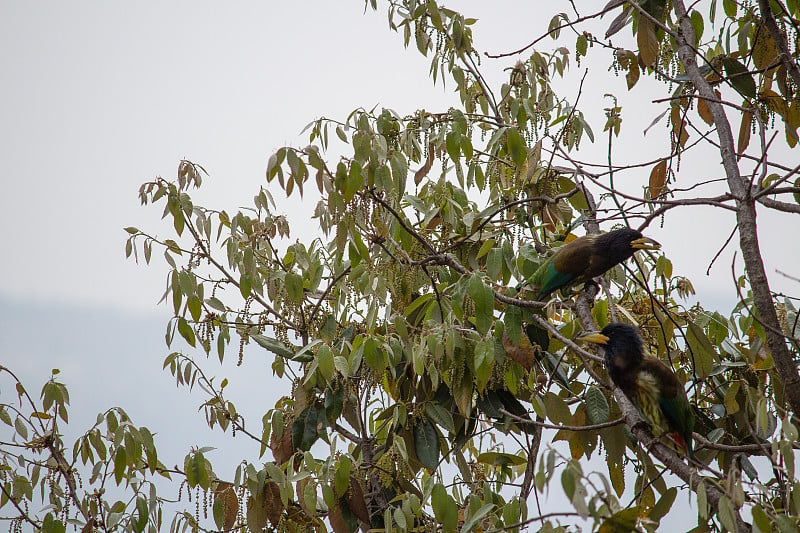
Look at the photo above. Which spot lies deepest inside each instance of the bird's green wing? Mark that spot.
(565, 268)
(673, 402)
(679, 415)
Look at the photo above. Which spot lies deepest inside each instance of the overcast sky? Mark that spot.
(98, 97)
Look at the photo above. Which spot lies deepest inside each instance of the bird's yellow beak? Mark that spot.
(645, 243)
(595, 337)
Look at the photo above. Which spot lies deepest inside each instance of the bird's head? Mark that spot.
(625, 241)
(622, 345)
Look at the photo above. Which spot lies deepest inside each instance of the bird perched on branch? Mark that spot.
(587, 257)
(647, 382)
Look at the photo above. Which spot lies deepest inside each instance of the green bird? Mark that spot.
(587, 257)
(647, 382)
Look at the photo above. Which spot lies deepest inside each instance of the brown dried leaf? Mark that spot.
(266, 505)
(272, 502)
(230, 503)
(576, 444)
(705, 112)
(744, 131)
(337, 520)
(356, 502)
(282, 448)
(423, 171)
(524, 355)
(549, 218)
(679, 126)
(658, 178)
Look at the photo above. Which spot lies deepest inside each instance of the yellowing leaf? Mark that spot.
(633, 75)
(487, 245)
(765, 53)
(647, 41)
(774, 101)
(658, 178)
(744, 131)
(704, 112)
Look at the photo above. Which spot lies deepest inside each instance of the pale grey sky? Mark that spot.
(98, 97)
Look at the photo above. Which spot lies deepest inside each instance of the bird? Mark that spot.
(647, 382)
(587, 257)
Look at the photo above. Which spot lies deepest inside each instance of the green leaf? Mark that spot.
(487, 245)
(537, 335)
(663, 505)
(739, 77)
(557, 410)
(726, 513)
(121, 463)
(305, 429)
(473, 520)
(501, 459)
(334, 401)
(273, 345)
(186, 331)
(494, 263)
(797, 194)
(513, 323)
(730, 7)
(761, 519)
(4, 416)
(294, 287)
(483, 297)
(581, 44)
(325, 362)
(444, 508)
(341, 479)
(484, 360)
(701, 352)
(440, 415)
(51, 525)
(516, 146)
(353, 182)
(622, 521)
(426, 444)
(453, 145)
(596, 405)
(195, 307)
(698, 25)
